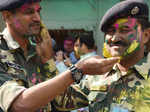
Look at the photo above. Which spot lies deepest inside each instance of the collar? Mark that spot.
(12, 44)
(88, 55)
(118, 74)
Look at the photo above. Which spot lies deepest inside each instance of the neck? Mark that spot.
(22, 41)
(122, 67)
(131, 60)
(89, 51)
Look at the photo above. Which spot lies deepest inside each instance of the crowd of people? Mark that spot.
(35, 76)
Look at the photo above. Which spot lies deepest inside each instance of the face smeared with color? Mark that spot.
(26, 19)
(123, 37)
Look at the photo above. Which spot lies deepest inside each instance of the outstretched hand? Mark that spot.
(97, 65)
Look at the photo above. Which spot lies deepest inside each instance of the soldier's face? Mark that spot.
(122, 35)
(26, 19)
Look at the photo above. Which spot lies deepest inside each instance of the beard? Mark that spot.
(34, 29)
(32, 33)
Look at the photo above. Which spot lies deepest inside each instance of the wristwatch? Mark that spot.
(76, 73)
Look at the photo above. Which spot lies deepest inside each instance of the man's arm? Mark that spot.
(39, 95)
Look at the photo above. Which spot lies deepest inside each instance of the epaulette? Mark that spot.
(3, 43)
(1, 36)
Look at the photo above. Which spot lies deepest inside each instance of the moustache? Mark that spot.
(119, 43)
(35, 24)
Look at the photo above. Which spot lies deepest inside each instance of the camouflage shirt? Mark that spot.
(18, 72)
(117, 92)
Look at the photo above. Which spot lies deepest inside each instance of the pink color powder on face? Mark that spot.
(116, 26)
(16, 23)
(37, 7)
(132, 22)
(24, 7)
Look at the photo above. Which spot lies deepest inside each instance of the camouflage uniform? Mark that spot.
(117, 92)
(18, 72)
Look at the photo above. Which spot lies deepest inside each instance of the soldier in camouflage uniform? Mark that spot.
(26, 64)
(123, 89)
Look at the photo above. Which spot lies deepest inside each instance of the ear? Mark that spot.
(146, 39)
(146, 36)
(6, 15)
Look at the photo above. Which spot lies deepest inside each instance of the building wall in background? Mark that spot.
(69, 14)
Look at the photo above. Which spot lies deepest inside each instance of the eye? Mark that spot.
(125, 30)
(29, 11)
(39, 10)
(111, 31)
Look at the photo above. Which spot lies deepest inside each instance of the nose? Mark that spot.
(116, 36)
(36, 17)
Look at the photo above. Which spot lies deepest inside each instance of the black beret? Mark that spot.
(13, 4)
(127, 8)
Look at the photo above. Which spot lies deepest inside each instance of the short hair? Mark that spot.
(145, 24)
(69, 39)
(87, 39)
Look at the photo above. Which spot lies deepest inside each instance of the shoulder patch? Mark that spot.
(3, 43)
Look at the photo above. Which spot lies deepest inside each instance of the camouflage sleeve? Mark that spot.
(49, 69)
(141, 100)
(8, 93)
(12, 83)
(72, 98)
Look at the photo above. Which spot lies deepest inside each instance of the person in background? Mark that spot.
(69, 45)
(86, 45)
(75, 55)
(85, 48)
(63, 62)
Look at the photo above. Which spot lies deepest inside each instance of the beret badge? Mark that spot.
(135, 10)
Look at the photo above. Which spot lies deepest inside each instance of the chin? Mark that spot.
(36, 32)
(116, 55)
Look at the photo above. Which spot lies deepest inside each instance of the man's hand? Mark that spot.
(97, 65)
(67, 61)
(44, 45)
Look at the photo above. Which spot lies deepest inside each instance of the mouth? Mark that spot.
(119, 44)
(35, 25)
(34, 29)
